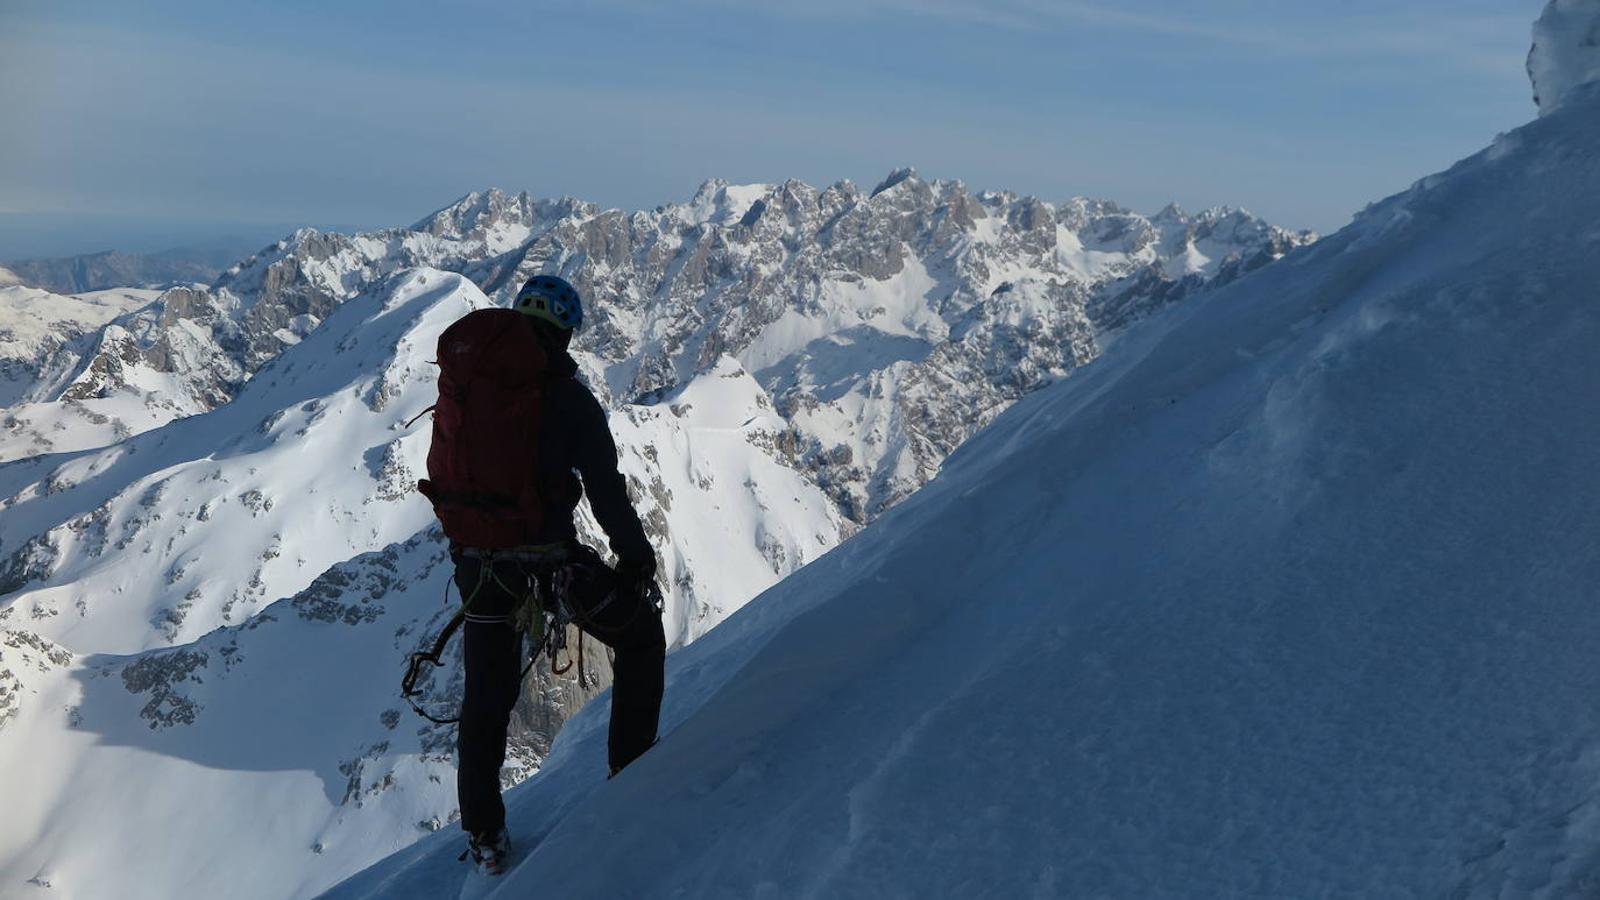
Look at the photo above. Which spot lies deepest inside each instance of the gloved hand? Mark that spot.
(637, 578)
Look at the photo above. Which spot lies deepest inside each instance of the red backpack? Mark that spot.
(482, 463)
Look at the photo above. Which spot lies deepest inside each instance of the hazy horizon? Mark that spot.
(27, 236)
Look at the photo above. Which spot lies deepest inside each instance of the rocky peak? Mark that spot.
(1171, 214)
(1235, 225)
(895, 179)
(1078, 213)
(467, 214)
(719, 203)
(498, 220)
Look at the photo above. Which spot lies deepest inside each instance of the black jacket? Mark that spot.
(575, 442)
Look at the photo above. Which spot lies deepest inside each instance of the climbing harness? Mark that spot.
(546, 609)
(527, 617)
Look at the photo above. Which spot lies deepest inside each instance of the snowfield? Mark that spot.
(1294, 592)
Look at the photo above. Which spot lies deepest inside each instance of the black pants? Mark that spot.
(493, 653)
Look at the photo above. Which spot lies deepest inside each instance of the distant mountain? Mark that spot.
(44, 340)
(110, 269)
(44, 337)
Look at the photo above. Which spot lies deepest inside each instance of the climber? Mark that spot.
(517, 441)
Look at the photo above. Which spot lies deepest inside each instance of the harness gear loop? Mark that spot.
(408, 684)
(528, 616)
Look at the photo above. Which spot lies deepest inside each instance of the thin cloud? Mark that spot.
(1491, 45)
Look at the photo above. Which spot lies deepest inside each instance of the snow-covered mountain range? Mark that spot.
(211, 564)
(887, 326)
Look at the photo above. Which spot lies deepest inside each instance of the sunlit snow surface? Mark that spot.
(1295, 592)
(39, 326)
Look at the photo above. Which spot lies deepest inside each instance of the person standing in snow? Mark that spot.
(481, 484)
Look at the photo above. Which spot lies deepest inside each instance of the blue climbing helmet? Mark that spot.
(551, 299)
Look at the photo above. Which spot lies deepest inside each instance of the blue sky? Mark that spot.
(151, 124)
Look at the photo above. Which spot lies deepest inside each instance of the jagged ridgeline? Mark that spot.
(210, 558)
(886, 326)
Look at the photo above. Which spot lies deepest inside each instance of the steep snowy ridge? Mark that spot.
(1290, 593)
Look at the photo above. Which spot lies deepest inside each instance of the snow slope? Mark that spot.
(1294, 592)
(226, 768)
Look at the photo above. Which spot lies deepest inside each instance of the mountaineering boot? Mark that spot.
(618, 767)
(490, 851)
